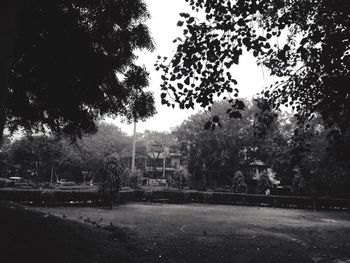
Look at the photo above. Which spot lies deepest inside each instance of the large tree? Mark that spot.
(223, 151)
(42, 153)
(36, 155)
(72, 62)
(323, 168)
(91, 151)
(305, 43)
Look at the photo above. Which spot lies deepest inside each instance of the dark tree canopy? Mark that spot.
(305, 43)
(234, 146)
(74, 61)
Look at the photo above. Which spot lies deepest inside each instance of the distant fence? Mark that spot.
(66, 197)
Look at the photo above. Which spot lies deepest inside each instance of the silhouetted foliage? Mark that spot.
(74, 61)
(303, 42)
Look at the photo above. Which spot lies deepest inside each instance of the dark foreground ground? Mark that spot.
(173, 233)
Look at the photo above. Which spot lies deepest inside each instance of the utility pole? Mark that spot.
(164, 165)
(133, 148)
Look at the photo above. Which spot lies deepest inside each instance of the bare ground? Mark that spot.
(217, 233)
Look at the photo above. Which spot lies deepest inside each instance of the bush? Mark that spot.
(109, 189)
(124, 178)
(135, 179)
(6, 183)
(238, 184)
(299, 184)
(199, 182)
(264, 183)
(179, 179)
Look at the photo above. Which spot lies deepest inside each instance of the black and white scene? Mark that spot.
(175, 131)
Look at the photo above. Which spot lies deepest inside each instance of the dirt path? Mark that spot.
(215, 233)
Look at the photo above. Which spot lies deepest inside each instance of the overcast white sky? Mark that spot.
(164, 16)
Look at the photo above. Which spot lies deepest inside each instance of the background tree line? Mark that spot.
(301, 157)
(35, 156)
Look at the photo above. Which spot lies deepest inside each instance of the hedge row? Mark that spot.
(60, 197)
(246, 199)
(38, 196)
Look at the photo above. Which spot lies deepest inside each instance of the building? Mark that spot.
(160, 167)
(253, 171)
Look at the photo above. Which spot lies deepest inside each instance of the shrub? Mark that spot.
(125, 176)
(199, 182)
(264, 183)
(238, 183)
(6, 183)
(298, 184)
(110, 187)
(135, 179)
(179, 179)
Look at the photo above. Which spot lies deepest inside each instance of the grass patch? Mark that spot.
(27, 236)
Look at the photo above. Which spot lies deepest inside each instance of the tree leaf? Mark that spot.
(207, 125)
(180, 23)
(235, 115)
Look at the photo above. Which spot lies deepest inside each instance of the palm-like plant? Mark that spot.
(110, 187)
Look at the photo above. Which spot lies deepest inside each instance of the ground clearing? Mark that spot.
(27, 236)
(216, 233)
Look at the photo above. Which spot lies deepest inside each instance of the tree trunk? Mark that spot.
(164, 167)
(51, 179)
(8, 15)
